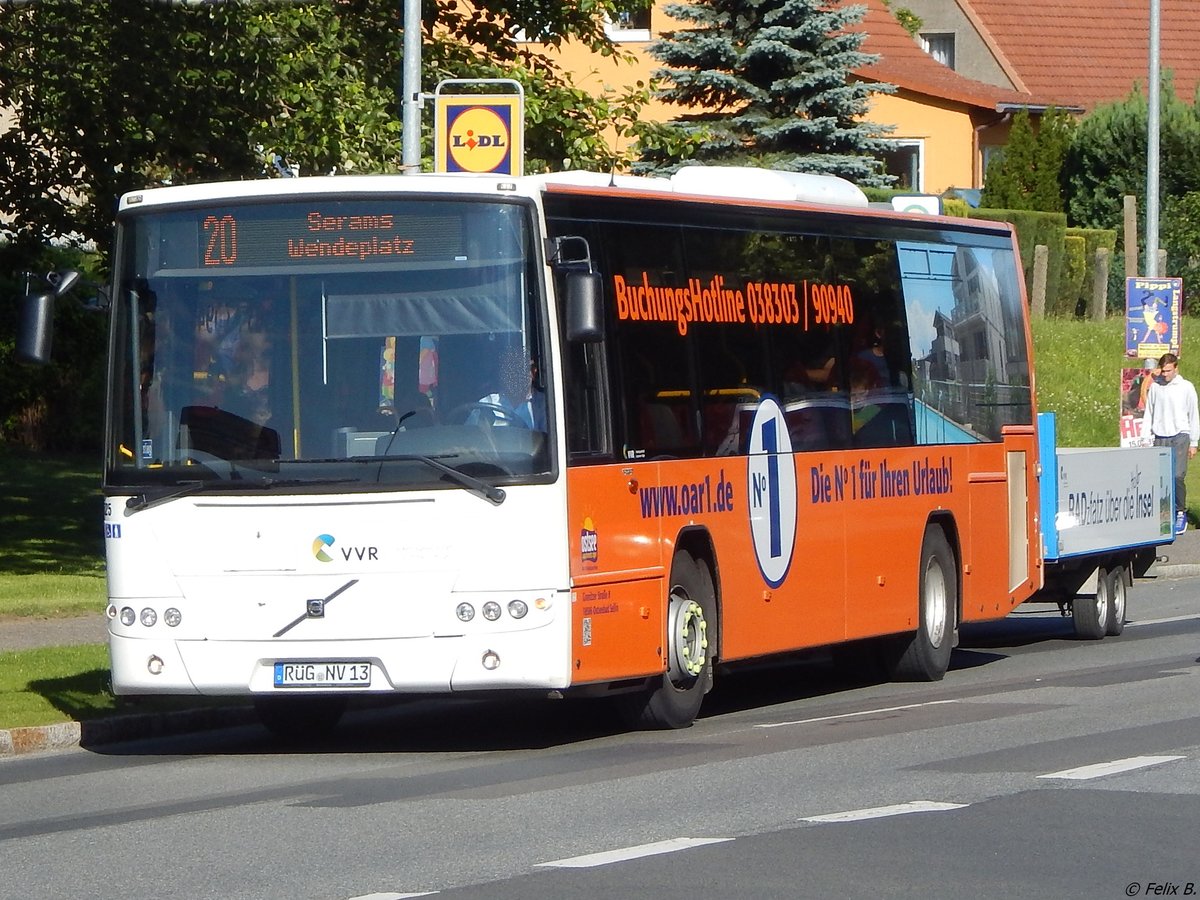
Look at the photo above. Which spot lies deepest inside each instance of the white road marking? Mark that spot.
(1161, 621)
(865, 712)
(613, 856)
(1099, 770)
(391, 896)
(882, 812)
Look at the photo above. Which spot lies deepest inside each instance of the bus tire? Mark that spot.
(1089, 614)
(295, 717)
(925, 654)
(672, 700)
(1117, 595)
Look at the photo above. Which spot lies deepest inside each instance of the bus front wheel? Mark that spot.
(925, 655)
(673, 699)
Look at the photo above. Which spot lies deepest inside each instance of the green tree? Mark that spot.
(772, 82)
(115, 95)
(1107, 157)
(112, 96)
(1027, 174)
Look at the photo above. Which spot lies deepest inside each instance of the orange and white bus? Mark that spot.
(570, 434)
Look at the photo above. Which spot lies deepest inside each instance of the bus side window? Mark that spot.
(662, 417)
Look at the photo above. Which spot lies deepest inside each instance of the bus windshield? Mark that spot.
(392, 341)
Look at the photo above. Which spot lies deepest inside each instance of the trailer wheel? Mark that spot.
(925, 655)
(673, 699)
(1090, 614)
(1117, 593)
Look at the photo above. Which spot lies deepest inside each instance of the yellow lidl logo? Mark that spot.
(479, 140)
(479, 134)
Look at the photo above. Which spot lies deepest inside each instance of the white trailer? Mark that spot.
(1104, 513)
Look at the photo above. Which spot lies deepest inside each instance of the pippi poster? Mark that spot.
(1153, 314)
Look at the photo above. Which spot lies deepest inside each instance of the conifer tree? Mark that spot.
(1027, 174)
(771, 83)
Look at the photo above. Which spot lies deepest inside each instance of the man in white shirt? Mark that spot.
(1172, 417)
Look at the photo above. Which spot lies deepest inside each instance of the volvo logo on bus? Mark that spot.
(771, 488)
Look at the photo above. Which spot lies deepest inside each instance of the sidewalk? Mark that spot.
(1181, 559)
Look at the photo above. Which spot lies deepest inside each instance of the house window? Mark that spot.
(906, 160)
(940, 47)
(990, 154)
(629, 25)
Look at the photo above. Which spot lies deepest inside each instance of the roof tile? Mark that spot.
(1087, 52)
(904, 64)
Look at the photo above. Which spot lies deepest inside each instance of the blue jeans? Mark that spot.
(1179, 444)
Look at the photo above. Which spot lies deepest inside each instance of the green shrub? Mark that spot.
(952, 206)
(1094, 239)
(1074, 272)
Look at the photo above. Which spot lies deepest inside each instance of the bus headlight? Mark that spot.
(465, 612)
(128, 616)
(517, 608)
(491, 610)
(149, 617)
(172, 617)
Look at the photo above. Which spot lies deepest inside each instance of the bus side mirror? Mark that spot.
(585, 310)
(35, 331)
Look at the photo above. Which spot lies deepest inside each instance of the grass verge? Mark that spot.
(54, 684)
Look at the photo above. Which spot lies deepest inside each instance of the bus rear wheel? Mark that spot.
(925, 654)
(673, 699)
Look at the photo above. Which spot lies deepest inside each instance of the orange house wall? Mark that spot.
(946, 128)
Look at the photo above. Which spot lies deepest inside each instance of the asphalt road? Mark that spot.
(1041, 766)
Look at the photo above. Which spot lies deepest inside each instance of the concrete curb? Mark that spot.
(67, 735)
(1178, 570)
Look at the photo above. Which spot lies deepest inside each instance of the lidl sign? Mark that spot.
(479, 133)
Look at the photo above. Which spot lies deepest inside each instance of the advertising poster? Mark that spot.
(1135, 385)
(1153, 313)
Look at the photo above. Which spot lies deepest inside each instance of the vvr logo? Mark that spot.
(322, 545)
(319, 545)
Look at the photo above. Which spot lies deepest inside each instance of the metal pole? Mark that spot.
(1153, 88)
(411, 88)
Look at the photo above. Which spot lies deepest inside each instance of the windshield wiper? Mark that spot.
(480, 488)
(146, 501)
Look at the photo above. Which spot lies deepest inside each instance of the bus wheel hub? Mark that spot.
(689, 640)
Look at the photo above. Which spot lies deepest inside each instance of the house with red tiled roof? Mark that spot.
(944, 124)
(1072, 52)
(956, 121)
